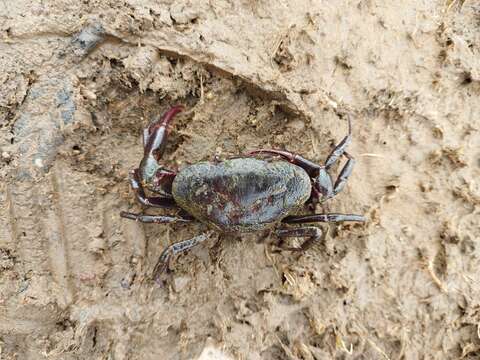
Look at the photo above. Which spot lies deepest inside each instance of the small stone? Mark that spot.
(96, 231)
(297, 125)
(38, 163)
(180, 282)
(97, 245)
(212, 353)
(88, 94)
(183, 14)
(6, 156)
(87, 39)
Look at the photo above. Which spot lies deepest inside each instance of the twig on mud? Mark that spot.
(469, 279)
(201, 88)
(341, 344)
(278, 42)
(275, 47)
(401, 354)
(314, 144)
(285, 348)
(371, 155)
(435, 278)
(304, 351)
(272, 262)
(450, 4)
(468, 349)
(375, 346)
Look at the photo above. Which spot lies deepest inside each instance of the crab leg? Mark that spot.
(313, 233)
(156, 219)
(324, 181)
(344, 174)
(332, 217)
(174, 249)
(339, 149)
(310, 167)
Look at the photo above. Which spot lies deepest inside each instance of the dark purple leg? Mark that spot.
(339, 149)
(313, 233)
(310, 167)
(324, 184)
(157, 219)
(344, 174)
(323, 181)
(300, 219)
(174, 249)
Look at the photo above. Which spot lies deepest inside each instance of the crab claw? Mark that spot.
(155, 140)
(165, 119)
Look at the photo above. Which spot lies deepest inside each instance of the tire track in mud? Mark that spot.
(8, 224)
(22, 237)
(135, 236)
(136, 242)
(23, 201)
(77, 222)
(122, 250)
(54, 230)
(50, 255)
(19, 326)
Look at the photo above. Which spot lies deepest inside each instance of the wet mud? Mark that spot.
(79, 82)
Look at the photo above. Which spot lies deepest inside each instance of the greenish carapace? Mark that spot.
(243, 194)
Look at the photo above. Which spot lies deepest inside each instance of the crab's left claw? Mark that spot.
(155, 141)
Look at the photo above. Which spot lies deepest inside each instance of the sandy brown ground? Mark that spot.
(80, 79)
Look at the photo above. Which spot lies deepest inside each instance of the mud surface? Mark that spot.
(80, 79)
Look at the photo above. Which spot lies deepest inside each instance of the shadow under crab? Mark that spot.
(248, 193)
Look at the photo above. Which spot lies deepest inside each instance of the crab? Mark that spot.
(253, 192)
